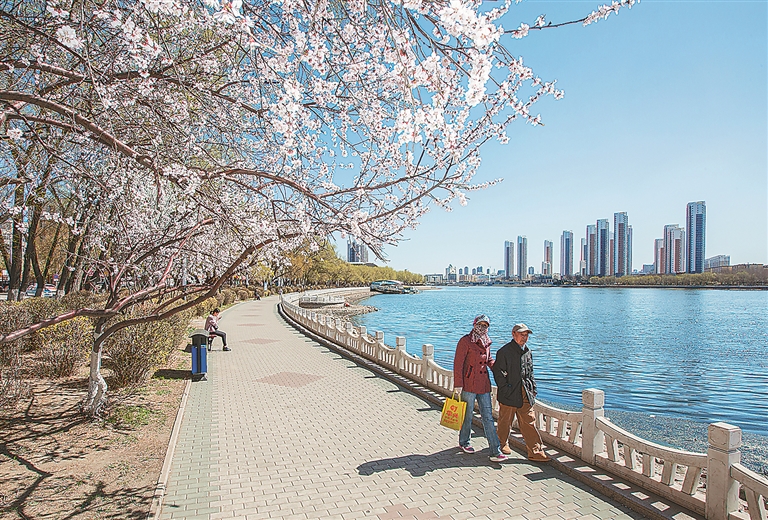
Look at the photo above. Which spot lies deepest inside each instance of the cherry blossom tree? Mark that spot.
(200, 137)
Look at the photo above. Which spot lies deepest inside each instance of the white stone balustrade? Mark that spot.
(587, 434)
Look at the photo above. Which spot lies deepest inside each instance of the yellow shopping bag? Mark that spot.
(453, 412)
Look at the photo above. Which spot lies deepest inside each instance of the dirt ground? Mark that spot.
(57, 464)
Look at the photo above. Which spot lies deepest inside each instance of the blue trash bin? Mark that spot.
(199, 352)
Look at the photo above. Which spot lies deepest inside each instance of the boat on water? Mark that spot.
(391, 287)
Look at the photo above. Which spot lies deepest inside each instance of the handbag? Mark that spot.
(453, 412)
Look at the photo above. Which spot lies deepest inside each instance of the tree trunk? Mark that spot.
(14, 284)
(96, 398)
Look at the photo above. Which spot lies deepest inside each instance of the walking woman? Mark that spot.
(470, 378)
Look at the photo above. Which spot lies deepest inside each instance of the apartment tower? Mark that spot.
(696, 226)
(522, 257)
(603, 249)
(509, 258)
(546, 265)
(566, 254)
(622, 245)
(674, 249)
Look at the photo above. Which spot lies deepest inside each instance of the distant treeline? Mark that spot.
(325, 268)
(752, 277)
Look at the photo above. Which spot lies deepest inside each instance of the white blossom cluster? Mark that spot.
(196, 130)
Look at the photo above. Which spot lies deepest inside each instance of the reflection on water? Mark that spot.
(695, 354)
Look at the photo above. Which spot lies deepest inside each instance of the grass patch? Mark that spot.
(130, 417)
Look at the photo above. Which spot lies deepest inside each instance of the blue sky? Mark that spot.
(664, 104)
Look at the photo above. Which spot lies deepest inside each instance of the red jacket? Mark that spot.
(470, 366)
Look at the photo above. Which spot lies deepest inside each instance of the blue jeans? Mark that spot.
(486, 413)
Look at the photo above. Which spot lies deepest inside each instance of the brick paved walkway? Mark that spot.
(286, 428)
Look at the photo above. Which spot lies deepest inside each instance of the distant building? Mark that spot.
(583, 257)
(674, 249)
(696, 225)
(357, 252)
(433, 278)
(566, 254)
(530, 272)
(450, 274)
(622, 244)
(716, 262)
(648, 269)
(509, 258)
(659, 258)
(603, 250)
(591, 257)
(546, 265)
(522, 257)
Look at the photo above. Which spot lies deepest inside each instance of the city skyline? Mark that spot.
(645, 127)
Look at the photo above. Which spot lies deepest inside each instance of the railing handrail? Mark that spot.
(688, 458)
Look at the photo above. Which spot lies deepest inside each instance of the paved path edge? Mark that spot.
(650, 505)
(157, 500)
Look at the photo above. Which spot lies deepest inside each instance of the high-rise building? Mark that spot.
(566, 254)
(546, 265)
(509, 258)
(583, 257)
(603, 247)
(591, 250)
(659, 258)
(610, 257)
(674, 249)
(622, 245)
(696, 225)
(522, 257)
(357, 252)
(717, 262)
(450, 274)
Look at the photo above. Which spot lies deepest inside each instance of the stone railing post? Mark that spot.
(400, 349)
(348, 338)
(723, 451)
(428, 353)
(592, 439)
(363, 331)
(379, 344)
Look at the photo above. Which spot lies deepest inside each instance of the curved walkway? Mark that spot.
(286, 428)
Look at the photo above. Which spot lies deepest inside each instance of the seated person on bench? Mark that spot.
(212, 326)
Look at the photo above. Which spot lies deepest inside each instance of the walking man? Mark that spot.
(513, 372)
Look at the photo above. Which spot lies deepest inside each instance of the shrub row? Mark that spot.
(59, 350)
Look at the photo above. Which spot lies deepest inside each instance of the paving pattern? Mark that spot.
(283, 427)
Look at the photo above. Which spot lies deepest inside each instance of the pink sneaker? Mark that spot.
(467, 449)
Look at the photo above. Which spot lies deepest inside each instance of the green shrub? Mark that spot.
(12, 385)
(206, 307)
(229, 297)
(38, 310)
(80, 300)
(64, 347)
(134, 352)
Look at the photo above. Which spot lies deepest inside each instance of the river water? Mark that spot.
(700, 356)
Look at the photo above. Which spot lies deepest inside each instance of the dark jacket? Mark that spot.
(470, 366)
(512, 370)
